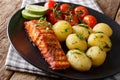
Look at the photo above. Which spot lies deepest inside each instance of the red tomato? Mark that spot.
(48, 11)
(81, 11)
(72, 19)
(53, 17)
(72, 12)
(64, 8)
(90, 20)
(50, 4)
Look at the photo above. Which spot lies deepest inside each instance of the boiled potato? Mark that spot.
(76, 41)
(101, 40)
(78, 60)
(62, 29)
(96, 55)
(103, 27)
(82, 29)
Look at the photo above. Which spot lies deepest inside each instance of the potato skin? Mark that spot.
(62, 29)
(82, 29)
(74, 42)
(78, 60)
(101, 40)
(96, 55)
(103, 27)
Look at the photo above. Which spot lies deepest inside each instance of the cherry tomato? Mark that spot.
(64, 8)
(72, 19)
(53, 17)
(50, 4)
(71, 12)
(48, 11)
(81, 12)
(90, 20)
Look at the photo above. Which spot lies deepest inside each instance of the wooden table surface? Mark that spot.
(111, 8)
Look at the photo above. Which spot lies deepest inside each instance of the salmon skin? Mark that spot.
(48, 44)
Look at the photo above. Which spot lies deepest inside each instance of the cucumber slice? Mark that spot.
(29, 16)
(36, 9)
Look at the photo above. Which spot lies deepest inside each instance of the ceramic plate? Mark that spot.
(22, 44)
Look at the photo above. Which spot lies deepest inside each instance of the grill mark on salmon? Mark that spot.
(48, 44)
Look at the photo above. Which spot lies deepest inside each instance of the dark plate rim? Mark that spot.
(52, 72)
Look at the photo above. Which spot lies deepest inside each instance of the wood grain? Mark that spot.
(26, 76)
(5, 74)
(7, 8)
(109, 7)
(117, 19)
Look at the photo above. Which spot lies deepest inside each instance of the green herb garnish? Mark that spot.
(80, 36)
(83, 25)
(106, 45)
(66, 30)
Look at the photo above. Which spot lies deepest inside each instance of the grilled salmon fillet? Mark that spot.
(48, 44)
